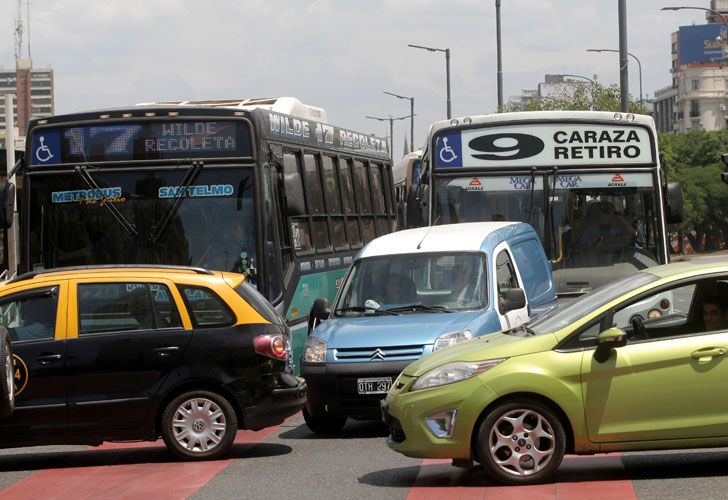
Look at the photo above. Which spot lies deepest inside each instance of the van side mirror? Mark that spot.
(609, 339)
(7, 204)
(515, 298)
(675, 213)
(320, 311)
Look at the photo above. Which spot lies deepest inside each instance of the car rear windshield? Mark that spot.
(258, 302)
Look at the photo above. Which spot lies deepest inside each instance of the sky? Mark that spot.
(336, 54)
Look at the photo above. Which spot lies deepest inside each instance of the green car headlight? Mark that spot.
(314, 351)
(454, 372)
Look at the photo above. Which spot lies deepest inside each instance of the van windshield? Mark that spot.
(427, 282)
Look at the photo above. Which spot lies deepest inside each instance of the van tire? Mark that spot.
(7, 379)
(324, 426)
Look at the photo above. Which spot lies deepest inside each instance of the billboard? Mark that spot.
(700, 44)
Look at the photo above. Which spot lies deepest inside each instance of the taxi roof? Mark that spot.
(110, 269)
(465, 236)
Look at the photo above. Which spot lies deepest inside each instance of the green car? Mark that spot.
(639, 364)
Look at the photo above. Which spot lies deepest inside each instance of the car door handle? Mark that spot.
(48, 358)
(166, 351)
(708, 353)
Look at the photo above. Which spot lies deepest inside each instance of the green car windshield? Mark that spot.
(589, 302)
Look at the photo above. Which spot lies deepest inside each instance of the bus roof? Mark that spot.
(286, 105)
(547, 116)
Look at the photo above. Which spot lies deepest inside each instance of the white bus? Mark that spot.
(590, 183)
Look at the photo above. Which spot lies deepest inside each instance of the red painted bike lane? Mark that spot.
(167, 479)
(601, 477)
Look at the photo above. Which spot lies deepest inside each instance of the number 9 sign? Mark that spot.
(506, 146)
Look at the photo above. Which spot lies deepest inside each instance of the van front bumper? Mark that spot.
(333, 388)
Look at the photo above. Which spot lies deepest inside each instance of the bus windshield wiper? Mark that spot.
(82, 171)
(420, 307)
(179, 195)
(375, 310)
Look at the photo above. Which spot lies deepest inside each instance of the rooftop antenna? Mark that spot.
(18, 33)
(419, 245)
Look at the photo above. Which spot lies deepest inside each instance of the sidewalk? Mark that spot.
(717, 255)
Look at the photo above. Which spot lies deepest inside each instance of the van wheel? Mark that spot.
(7, 379)
(199, 425)
(521, 442)
(324, 426)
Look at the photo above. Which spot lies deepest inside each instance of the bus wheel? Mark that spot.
(7, 380)
(199, 425)
(324, 426)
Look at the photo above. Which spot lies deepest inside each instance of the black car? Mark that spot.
(137, 353)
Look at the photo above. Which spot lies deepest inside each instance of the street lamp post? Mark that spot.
(391, 131)
(412, 116)
(447, 70)
(639, 65)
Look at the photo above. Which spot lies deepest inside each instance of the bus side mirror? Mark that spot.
(7, 204)
(414, 211)
(675, 213)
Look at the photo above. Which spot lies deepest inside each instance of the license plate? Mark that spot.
(375, 385)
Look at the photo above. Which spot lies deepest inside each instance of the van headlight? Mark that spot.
(454, 372)
(452, 338)
(314, 351)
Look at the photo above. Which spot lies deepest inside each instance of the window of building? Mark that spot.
(696, 84)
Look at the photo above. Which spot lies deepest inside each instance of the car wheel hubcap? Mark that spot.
(199, 425)
(521, 442)
(9, 380)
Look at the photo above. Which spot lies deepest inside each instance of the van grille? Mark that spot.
(389, 353)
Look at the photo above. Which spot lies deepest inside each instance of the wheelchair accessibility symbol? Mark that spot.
(449, 150)
(447, 154)
(43, 152)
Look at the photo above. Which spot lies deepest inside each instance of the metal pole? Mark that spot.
(447, 71)
(10, 156)
(391, 139)
(500, 62)
(639, 68)
(412, 124)
(623, 61)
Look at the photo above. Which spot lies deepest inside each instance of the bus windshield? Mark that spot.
(594, 228)
(588, 182)
(212, 225)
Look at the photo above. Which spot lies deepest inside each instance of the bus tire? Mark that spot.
(7, 380)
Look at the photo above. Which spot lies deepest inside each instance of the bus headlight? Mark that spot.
(314, 351)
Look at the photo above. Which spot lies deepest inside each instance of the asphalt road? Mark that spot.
(289, 462)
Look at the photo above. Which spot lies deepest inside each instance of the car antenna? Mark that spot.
(419, 245)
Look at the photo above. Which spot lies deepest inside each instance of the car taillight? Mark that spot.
(272, 346)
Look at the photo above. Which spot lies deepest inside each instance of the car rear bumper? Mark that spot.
(276, 406)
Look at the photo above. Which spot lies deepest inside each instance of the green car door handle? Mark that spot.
(708, 353)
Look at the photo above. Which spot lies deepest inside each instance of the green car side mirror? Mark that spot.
(609, 339)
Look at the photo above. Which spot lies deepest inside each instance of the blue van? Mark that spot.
(411, 293)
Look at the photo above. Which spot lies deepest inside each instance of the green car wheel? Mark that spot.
(521, 442)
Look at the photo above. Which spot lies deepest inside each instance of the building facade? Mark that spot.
(34, 93)
(698, 96)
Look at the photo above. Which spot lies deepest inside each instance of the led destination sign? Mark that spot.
(140, 141)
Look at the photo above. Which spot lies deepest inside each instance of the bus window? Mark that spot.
(312, 180)
(347, 197)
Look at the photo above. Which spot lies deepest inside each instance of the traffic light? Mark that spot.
(724, 175)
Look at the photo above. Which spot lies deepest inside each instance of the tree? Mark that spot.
(577, 96)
